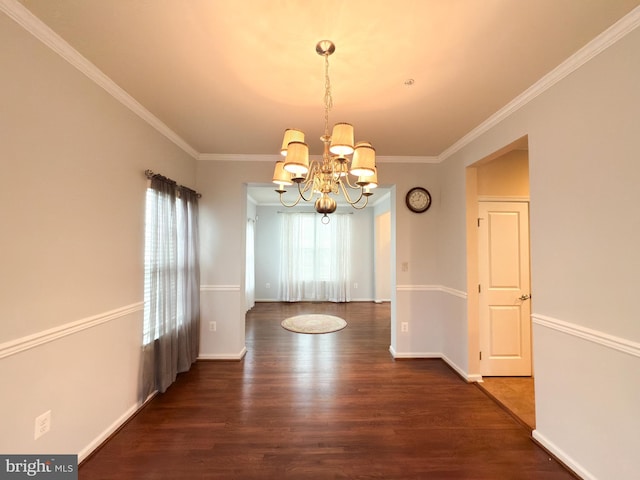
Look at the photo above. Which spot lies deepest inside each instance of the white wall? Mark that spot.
(268, 251)
(382, 249)
(585, 233)
(223, 217)
(72, 209)
(418, 292)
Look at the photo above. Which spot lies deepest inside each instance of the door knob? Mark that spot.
(524, 297)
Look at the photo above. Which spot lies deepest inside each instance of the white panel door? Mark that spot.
(504, 290)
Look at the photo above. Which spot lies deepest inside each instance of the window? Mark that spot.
(171, 283)
(158, 255)
(315, 258)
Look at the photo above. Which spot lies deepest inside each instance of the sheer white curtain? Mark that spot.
(250, 275)
(316, 258)
(172, 284)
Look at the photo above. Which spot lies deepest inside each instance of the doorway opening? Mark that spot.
(372, 262)
(498, 282)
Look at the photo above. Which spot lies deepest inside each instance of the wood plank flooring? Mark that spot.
(332, 406)
(516, 394)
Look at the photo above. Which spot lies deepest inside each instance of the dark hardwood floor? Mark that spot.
(332, 406)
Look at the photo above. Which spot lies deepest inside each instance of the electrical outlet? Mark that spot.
(405, 266)
(267, 285)
(404, 326)
(355, 285)
(43, 424)
(212, 326)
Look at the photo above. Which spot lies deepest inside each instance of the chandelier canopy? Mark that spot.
(329, 175)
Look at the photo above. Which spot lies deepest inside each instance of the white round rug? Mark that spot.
(313, 323)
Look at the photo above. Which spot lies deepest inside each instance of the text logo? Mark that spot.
(49, 467)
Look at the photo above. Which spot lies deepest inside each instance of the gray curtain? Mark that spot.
(189, 287)
(172, 284)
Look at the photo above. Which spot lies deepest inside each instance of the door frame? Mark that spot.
(472, 198)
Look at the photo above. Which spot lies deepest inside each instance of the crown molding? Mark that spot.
(234, 157)
(238, 157)
(21, 15)
(32, 24)
(407, 159)
(600, 43)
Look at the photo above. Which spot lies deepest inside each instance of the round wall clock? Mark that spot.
(418, 200)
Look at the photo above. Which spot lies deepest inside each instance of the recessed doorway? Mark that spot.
(499, 298)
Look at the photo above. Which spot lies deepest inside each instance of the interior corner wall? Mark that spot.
(223, 214)
(72, 208)
(268, 251)
(382, 237)
(584, 258)
(418, 295)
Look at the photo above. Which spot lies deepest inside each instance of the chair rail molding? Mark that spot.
(22, 344)
(432, 288)
(595, 336)
(219, 288)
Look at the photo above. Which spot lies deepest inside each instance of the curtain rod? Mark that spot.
(150, 174)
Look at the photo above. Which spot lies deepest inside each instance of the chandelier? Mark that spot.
(329, 175)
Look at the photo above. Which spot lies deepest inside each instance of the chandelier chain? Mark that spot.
(328, 100)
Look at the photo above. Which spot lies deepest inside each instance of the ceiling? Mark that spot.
(228, 76)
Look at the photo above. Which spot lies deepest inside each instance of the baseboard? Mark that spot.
(561, 456)
(101, 439)
(441, 356)
(224, 356)
(456, 368)
(404, 355)
(275, 300)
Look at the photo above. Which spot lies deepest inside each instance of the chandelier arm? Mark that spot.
(346, 195)
(355, 187)
(289, 205)
(307, 185)
(366, 201)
